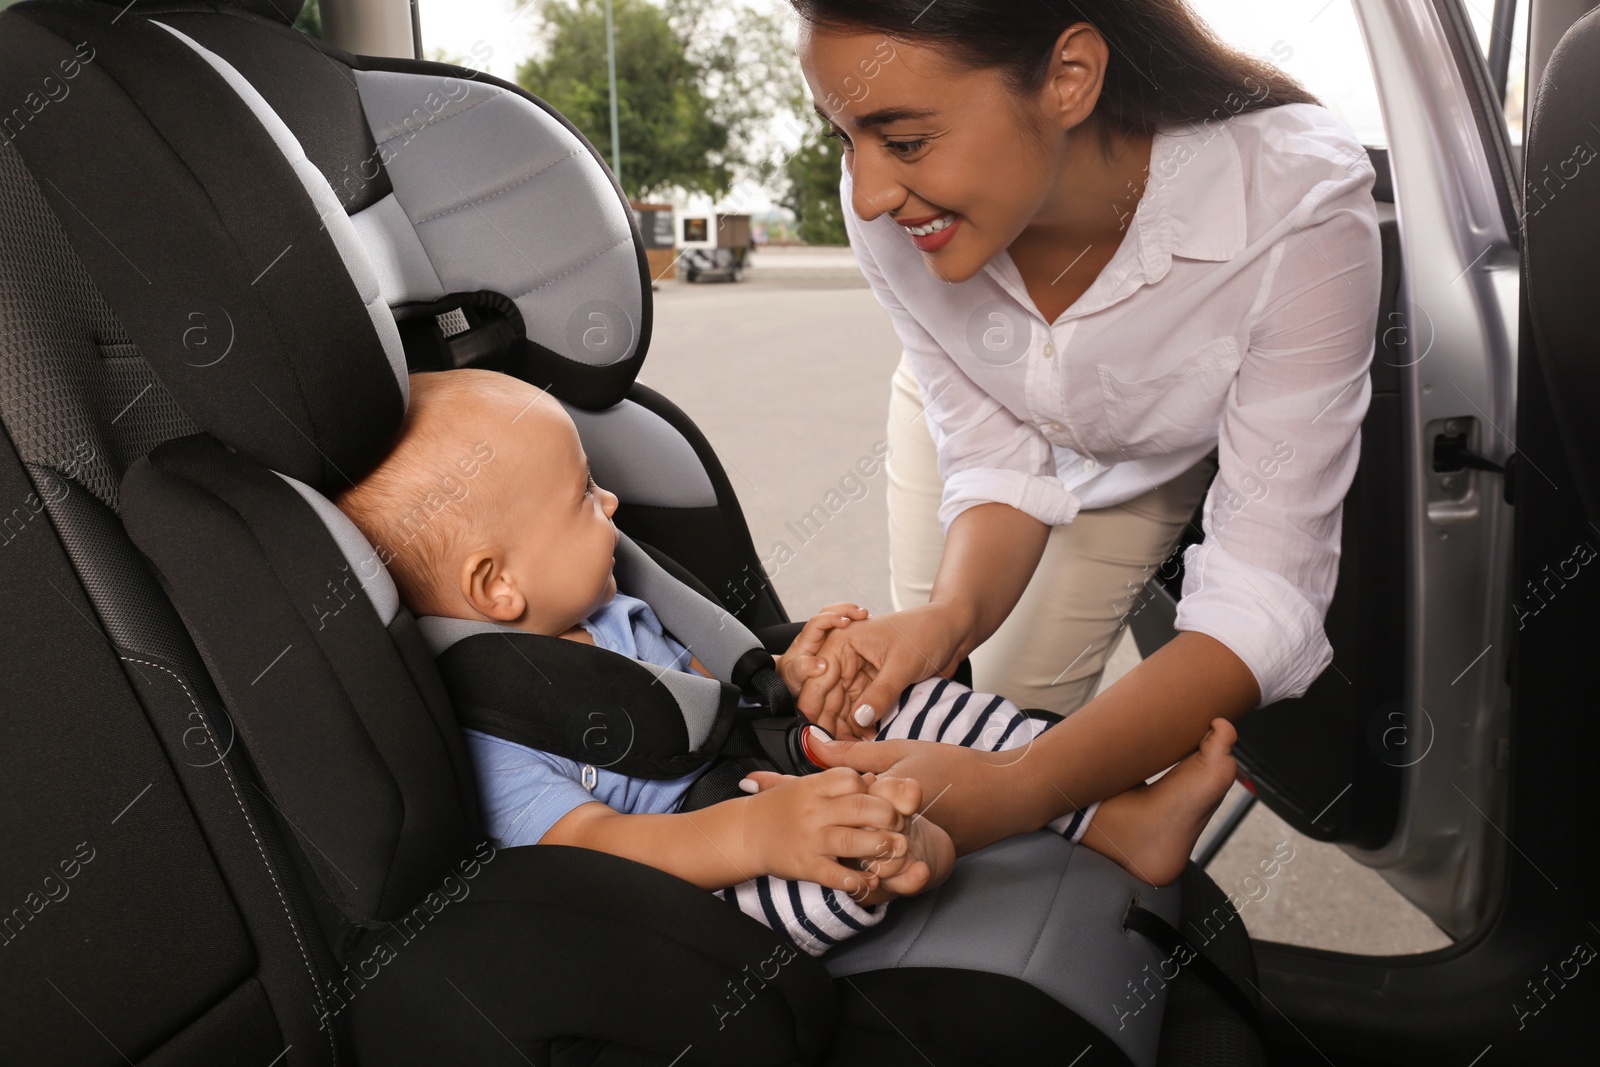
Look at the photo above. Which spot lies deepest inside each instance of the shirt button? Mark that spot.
(1049, 350)
(1057, 427)
(1088, 464)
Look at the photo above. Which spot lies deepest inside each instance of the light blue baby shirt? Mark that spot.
(524, 791)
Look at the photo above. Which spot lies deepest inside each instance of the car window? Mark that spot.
(493, 36)
(1482, 13)
(1317, 42)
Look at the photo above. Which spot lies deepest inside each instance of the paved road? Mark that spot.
(788, 375)
(791, 385)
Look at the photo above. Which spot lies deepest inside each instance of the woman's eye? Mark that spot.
(835, 135)
(904, 148)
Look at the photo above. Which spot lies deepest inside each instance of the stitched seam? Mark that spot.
(265, 862)
(498, 192)
(414, 130)
(1054, 901)
(916, 938)
(569, 270)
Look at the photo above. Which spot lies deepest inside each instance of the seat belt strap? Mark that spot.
(1166, 937)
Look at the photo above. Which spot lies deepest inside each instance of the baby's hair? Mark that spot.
(426, 502)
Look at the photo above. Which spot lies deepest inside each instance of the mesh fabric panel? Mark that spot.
(74, 392)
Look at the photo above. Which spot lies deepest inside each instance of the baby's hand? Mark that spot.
(801, 828)
(804, 664)
(930, 855)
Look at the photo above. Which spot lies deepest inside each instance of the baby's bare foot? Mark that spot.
(930, 855)
(1150, 830)
(933, 856)
(903, 794)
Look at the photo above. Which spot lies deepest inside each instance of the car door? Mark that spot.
(1399, 751)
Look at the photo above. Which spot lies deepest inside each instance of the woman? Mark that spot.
(1113, 249)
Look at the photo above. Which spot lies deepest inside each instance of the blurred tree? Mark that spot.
(310, 20)
(696, 86)
(813, 193)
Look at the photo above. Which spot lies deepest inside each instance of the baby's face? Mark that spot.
(555, 527)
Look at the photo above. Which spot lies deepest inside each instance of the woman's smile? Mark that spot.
(934, 235)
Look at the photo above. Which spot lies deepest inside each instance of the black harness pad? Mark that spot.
(585, 703)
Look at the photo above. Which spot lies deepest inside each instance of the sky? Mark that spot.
(1316, 41)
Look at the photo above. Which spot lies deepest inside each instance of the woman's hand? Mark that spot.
(990, 552)
(875, 660)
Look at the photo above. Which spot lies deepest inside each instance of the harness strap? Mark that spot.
(754, 744)
(754, 674)
(721, 782)
(1166, 937)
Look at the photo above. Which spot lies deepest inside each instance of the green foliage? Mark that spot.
(692, 98)
(813, 194)
(310, 20)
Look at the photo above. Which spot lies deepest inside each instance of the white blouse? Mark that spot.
(1239, 313)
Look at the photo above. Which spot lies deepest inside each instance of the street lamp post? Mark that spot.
(611, 63)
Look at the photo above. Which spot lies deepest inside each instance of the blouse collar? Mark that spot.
(1193, 206)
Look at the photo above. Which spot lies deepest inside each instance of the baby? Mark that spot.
(530, 543)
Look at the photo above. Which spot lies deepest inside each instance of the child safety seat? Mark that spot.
(602, 709)
(264, 233)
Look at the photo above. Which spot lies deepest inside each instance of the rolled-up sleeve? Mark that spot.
(986, 454)
(1289, 443)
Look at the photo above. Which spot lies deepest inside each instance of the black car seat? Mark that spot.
(204, 261)
(1560, 228)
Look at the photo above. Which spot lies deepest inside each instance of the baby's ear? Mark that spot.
(490, 589)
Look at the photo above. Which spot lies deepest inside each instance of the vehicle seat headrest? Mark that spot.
(255, 302)
(264, 304)
(370, 434)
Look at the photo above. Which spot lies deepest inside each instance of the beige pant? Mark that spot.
(1051, 650)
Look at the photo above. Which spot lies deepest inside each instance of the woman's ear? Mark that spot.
(1077, 70)
(490, 588)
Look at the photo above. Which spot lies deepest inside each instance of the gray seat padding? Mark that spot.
(1037, 908)
(447, 228)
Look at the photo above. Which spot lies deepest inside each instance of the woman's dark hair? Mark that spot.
(1166, 66)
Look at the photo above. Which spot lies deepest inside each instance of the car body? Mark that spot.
(1450, 750)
